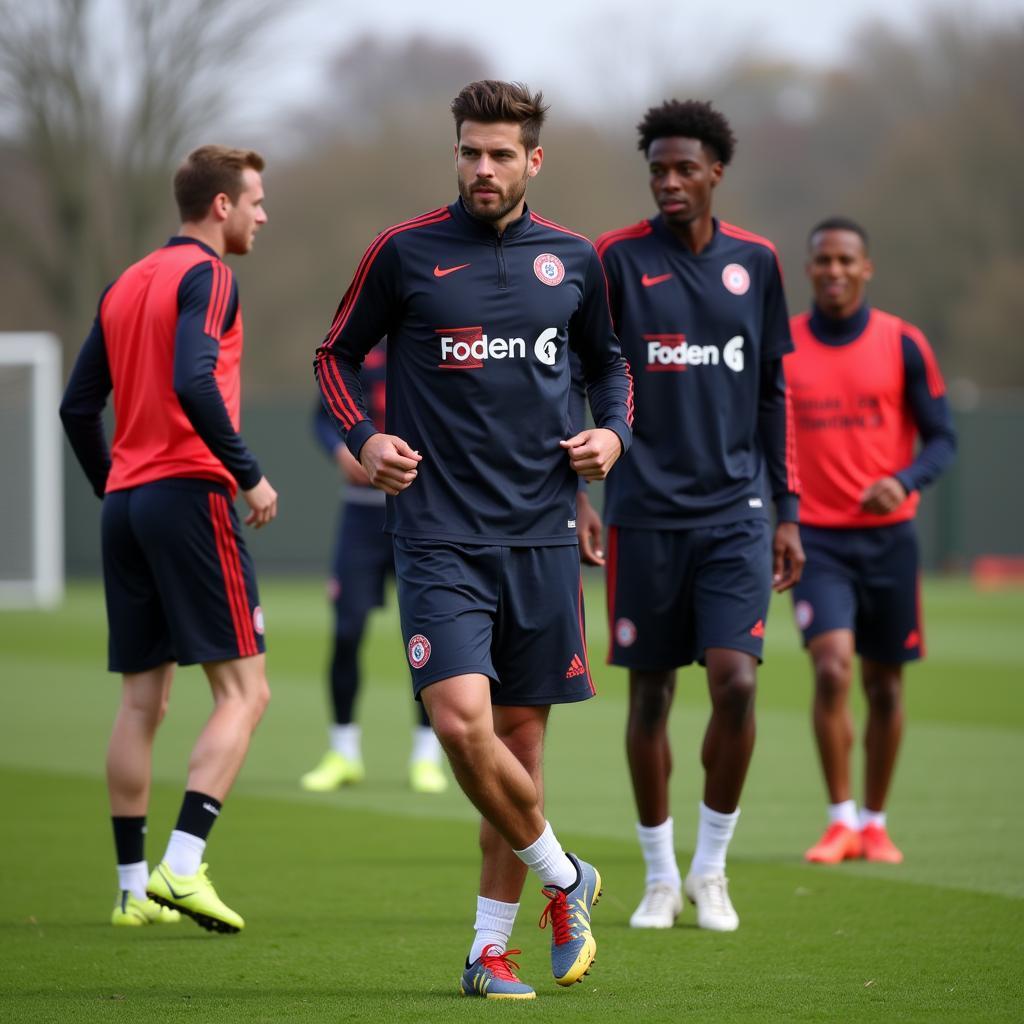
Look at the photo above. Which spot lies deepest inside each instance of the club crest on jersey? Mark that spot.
(257, 620)
(736, 279)
(803, 611)
(419, 651)
(625, 632)
(549, 269)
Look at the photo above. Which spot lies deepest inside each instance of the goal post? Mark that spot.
(31, 474)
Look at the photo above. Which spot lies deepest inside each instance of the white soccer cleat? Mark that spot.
(661, 905)
(710, 895)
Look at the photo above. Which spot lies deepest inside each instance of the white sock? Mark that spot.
(425, 745)
(184, 853)
(547, 858)
(845, 813)
(494, 921)
(133, 877)
(713, 835)
(871, 818)
(658, 847)
(345, 741)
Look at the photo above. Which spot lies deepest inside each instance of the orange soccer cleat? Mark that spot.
(876, 845)
(839, 843)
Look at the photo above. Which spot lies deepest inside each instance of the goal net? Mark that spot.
(31, 483)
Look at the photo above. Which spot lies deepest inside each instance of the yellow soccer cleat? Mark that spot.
(131, 912)
(333, 771)
(427, 777)
(193, 895)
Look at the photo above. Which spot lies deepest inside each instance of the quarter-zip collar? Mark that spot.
(485, 231)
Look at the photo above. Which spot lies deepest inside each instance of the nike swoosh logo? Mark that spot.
(648, 282)
(438, 272)
(176, 895)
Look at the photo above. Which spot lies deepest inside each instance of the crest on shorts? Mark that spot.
(804, 613)
(625, 632)
(419, 651)
(549, 269)
(736, 279)
(257, 620)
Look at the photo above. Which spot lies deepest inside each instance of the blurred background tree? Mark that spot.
(97, 102)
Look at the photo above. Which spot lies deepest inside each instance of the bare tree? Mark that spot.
(98, 101)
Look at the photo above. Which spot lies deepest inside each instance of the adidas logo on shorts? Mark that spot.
(576, 668)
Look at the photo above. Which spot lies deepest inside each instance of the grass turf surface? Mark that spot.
(359, 904)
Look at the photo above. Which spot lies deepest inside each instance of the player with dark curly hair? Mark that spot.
(692, 555)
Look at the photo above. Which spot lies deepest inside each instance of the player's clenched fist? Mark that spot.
(389, 462)
(592, 453)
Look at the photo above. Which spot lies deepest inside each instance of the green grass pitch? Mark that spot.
(359, 905)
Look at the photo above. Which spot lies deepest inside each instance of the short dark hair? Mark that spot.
(208, 171)
(838, 224)
(489, 101)
(688, 119)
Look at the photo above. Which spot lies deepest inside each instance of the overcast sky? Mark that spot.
(581, 49)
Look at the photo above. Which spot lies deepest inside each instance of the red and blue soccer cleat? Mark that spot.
(572, 943)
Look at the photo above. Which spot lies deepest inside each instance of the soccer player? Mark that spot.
(692, 558)
(865, 385)
(363, 561)
(180, 588)
(481, 301)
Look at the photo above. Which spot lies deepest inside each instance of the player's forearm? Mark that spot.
(934, 458)
(89, 443)
(203, 405)
(343, 398)
(81, 409)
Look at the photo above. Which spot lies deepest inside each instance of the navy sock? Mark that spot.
(129, 839)
(198, 813)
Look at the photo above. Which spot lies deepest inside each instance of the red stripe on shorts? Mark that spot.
(234, 580)
(583, 636)
(610, 581)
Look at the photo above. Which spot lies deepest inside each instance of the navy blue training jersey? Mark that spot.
(704, 335)
(479, 329)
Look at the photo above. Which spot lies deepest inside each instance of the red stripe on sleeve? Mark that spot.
(341, 318)
(214, 311)
(544, 222)
(609, 238)
(328, 376)
(225, 293)
(792, 472)
(208, 325)
(629, 397)
(936, 385)
(234, 580)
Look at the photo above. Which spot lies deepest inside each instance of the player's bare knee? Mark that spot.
(832, 678)
(884, 695)
(649, 711)
(458, 733)
(733, 694)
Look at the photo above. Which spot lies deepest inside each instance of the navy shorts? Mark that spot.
(179, 581)
(865, 580)
(510, 613)
(672, 594)
(363, 563)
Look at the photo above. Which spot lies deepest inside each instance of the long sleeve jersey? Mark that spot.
(864, 388)
(705, 335)
(167, 340)
(479, 327)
